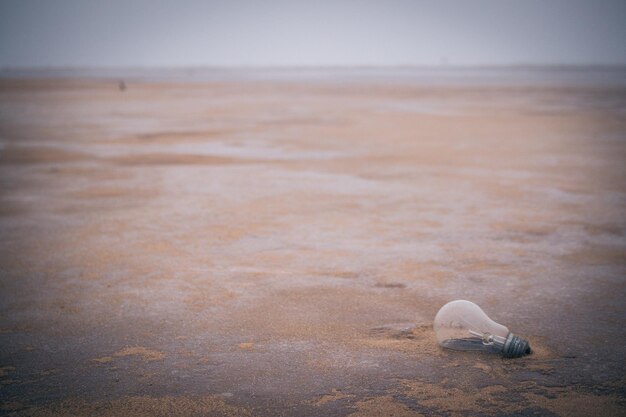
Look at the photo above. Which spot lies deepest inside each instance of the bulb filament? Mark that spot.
(488, 339)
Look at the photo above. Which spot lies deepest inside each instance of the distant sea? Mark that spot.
(430, 76)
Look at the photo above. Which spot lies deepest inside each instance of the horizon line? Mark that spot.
(317, 67)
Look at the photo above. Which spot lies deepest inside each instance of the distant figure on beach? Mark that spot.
(121, 85)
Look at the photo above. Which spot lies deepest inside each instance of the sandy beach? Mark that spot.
(279, 246)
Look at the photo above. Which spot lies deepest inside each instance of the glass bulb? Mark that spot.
(462, 325)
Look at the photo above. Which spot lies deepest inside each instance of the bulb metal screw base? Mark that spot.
(515, 347)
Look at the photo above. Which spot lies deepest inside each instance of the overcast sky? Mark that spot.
(122, 33)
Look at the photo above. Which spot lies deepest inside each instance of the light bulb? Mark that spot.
(462, 325)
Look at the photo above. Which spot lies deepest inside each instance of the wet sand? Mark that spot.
(280, 248)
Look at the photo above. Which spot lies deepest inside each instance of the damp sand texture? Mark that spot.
(269, 247)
